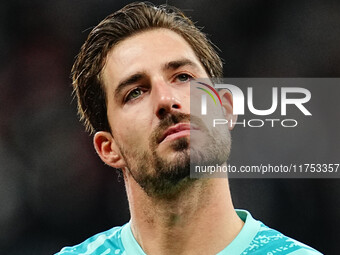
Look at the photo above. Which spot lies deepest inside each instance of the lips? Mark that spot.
(176, 131)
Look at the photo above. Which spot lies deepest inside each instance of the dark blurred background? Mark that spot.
(54, 190)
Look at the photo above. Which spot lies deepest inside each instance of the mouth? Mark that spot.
(177, 131)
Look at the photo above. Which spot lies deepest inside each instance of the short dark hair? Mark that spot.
(132, 19)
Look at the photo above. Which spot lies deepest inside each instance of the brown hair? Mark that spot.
(131, 19)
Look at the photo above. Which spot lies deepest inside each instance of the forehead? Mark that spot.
(145, 52)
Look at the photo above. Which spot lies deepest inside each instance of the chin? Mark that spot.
(181, 144)
(171, 176)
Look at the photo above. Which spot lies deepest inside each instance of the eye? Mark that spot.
(133, 94)
(183, 77)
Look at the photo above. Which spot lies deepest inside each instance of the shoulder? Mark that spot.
(271, 241)
(107, 242)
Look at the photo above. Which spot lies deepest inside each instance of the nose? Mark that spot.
(165, 99)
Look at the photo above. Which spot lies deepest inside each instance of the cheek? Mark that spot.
(183, 94)
(134, 129)
(186, 100)
(130, 137)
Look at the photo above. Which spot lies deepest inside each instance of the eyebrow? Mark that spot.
(128, 81)
(134, 78)
(173, 65)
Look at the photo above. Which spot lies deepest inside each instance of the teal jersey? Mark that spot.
(255, 238)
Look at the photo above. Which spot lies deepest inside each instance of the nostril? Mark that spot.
(166, 109)
(161, 112)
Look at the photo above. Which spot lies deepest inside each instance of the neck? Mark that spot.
(200, 218)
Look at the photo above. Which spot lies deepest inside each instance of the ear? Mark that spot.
(227, 104)
(107, 149)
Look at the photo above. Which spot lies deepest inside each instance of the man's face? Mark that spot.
(147, 81)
